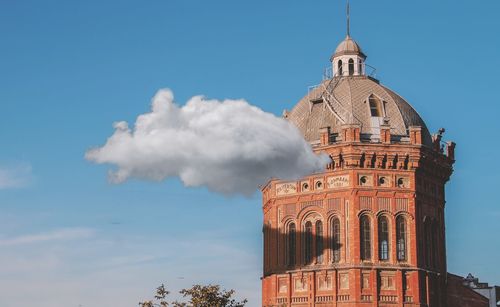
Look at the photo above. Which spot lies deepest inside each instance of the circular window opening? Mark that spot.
(305, 186)
(319, 185)
(401, 182)
(363, 180)
(382, 180)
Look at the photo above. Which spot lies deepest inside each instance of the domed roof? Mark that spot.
(348, 46)
(352, 95)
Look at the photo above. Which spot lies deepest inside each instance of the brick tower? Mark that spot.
(369, 230)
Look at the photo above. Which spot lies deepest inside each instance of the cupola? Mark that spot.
(348, 59)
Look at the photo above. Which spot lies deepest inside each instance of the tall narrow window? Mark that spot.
(351, 67)
(365, 238)
(428, 238)
(360, 67)
(291, 244)
(335, 240)
(319, 242)
(434, 234)
(266, 250)
(375, 106)
(401, 238)
(383, 238)
(308, 243)
(340, 70)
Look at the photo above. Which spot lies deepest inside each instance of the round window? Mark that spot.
(401, 183)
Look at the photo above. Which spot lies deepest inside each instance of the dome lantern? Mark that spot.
(348, 59)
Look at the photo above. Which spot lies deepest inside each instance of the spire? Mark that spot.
(348, 20)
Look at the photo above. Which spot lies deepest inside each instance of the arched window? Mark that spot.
(375, 106)
(383, 238)
(339, 70)
(365, 238)
(351, 67)
(291, 245)
(308, 243)
(401, 238)
(335, 240)
(360, 67)
(319, 242)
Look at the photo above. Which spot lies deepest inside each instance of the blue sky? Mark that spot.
(69, 69)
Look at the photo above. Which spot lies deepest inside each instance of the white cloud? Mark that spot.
(227, 146)
(15, 176)
(57, 235)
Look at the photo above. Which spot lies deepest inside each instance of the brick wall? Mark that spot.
(364, 179)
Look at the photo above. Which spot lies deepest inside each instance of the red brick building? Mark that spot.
(370, 229)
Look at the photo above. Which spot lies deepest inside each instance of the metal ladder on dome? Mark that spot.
(342, 114)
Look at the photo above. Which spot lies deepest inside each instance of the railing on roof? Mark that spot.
(327, 73)
(368, 70)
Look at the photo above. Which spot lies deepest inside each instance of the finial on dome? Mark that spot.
(348, 20)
